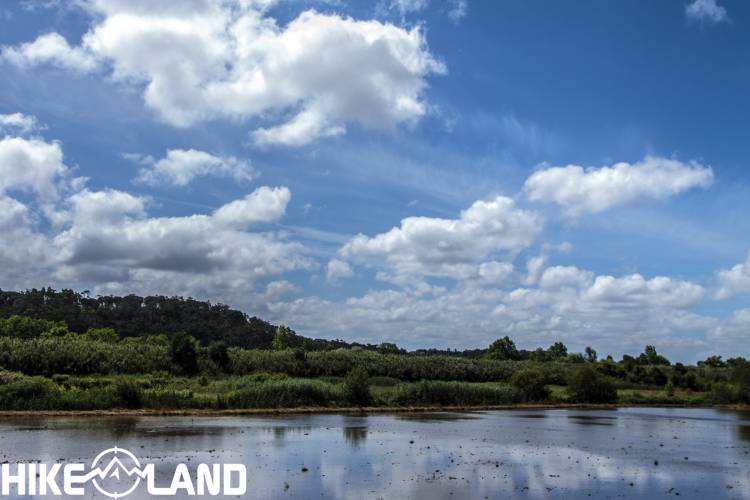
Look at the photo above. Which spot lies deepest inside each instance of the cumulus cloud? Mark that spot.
(730, 332)
(31, 165)
(733, 281)
(706, 10)
(52, 49)
(23, 251)
(108, 228)
(308, 79)
(572, 305)
(581, 190)
(17, 123)
(65, 234)
(179, 167)
(262, 205)
(427, 246)
(338, 270)
(108, 242)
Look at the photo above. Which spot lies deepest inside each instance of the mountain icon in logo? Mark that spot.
(120, 476)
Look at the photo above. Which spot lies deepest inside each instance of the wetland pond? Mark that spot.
(622, 453)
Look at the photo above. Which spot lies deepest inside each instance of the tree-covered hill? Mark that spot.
(134, 316)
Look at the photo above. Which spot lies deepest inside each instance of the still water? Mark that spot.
(624, 453)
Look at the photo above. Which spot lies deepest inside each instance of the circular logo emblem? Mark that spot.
(118, 472)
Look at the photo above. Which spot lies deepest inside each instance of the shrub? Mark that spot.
(741, 377)
(26, 328)
(128, 393)
(722, 393)
(432, 392)
(384, 381)
(184, 350)
(165, 398)
(531, 385)
(669, 388)
(102, 335)
(357, 387)
(587, 385)
(28, 393)
(284, 393)
(218, 352)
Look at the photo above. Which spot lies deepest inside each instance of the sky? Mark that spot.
(430, 173)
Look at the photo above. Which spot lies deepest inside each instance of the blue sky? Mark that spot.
(564, 170)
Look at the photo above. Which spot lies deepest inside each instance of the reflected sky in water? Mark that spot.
(625, 453)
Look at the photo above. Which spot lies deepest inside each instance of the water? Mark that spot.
(624, 453)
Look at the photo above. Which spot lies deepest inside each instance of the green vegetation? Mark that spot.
(587, 385)
(531, 384)
(71, 352)
(357, 388)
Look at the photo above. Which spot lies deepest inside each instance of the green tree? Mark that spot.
(741, 378)
(218, 352)
(388, 348)
(102, 335)
(558, 350)
(651, 357)
(128, 393)
(531, 384)
(184, 350)
(713, 362)
(357, 387)
(590, 354)
(540, 355)
(285, 338)
(503, 348)
(587, 385)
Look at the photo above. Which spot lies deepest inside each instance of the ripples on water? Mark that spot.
(625, 453)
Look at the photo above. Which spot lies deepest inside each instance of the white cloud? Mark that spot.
(179, 167)
(458, 9)
(111, 240)
(31, 165)
(635, 290)
(572, 305)
(308, 79)
(733, 281)
(730, 335)
(580, 191)
(108, 207)
(24, 253)
(106, 240)
(455, 9)
(426, 246)
(706, 10)
(298, 131)
(408, 6)
(17, 123)
(262, 205)
(338, 270)
(51, 49)
(534, 267)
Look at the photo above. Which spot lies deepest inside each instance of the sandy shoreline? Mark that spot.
(342, 410)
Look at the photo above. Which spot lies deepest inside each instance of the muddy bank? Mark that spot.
(345, 410)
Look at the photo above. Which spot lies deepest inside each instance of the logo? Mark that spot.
(116, 473)
(114, 469)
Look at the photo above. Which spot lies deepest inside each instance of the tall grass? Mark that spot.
(439, 393)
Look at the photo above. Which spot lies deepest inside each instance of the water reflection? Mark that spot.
(438, 416)
(743, 432)
(638, 453)
(592, 420)
(355, 435)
